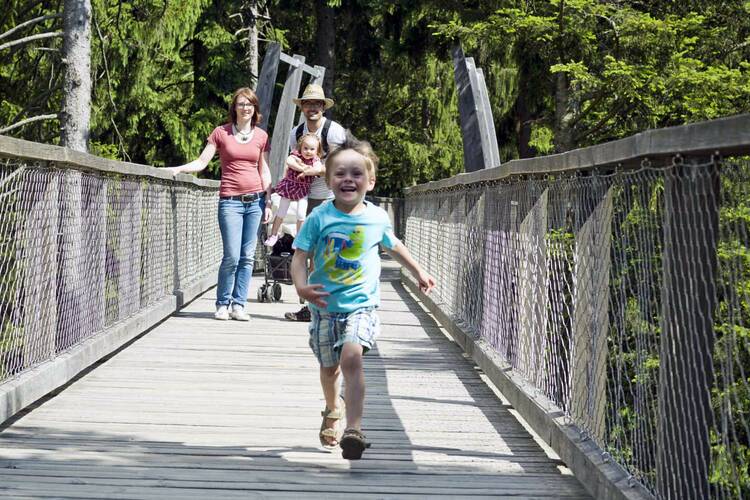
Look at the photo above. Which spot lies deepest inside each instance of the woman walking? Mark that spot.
(242, 148)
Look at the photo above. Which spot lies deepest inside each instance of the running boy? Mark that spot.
(344, 289)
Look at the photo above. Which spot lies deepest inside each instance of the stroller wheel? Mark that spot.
(276, 292)
(262, 293)
(268, 292)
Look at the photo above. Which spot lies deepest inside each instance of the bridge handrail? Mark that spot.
(730, 136)
(11, 147)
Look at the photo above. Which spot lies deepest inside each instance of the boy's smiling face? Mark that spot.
(349, 179)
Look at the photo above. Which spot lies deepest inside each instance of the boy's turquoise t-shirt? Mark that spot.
(345, 253)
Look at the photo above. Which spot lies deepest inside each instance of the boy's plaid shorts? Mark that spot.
(329, 331)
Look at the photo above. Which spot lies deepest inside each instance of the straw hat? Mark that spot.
(313, 92)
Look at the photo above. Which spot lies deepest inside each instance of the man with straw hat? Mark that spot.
(331, 134)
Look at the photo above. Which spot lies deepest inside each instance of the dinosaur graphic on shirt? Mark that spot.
(342, 256)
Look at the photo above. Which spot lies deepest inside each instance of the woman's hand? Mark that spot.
(174, 170)
(267, 213)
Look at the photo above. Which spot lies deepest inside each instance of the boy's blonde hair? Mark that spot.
(362, 147)
(310, 135)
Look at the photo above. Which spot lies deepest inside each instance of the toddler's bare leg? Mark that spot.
(276, 225)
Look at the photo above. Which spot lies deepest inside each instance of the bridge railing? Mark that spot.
(607, 291)
(92, 253)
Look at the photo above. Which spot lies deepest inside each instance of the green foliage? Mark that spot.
(161, 74)
(627, 66)
(31, 73)
(393, 85)
(542, 139)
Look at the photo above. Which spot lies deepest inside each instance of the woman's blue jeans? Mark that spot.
(238, 223)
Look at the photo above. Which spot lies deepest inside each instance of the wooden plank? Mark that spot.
(484, 99)
(292, 61)
(588, 394)
(481, 112)
(267, 82)
(467, 110)
(284, 120)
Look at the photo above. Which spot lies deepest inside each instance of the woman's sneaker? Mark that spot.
(222, 313)
(238, 313)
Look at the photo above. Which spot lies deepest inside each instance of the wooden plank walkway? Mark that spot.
(198, 408)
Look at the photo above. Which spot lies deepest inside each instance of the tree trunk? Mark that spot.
(251, 11)
(252, 51)
(76, 110)
(325, 42)
(523, 126)
(563, 139)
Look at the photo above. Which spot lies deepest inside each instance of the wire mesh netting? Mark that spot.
(623, 297)
(83, 250)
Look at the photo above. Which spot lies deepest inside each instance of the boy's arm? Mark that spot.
(310, 293)
(403, 257)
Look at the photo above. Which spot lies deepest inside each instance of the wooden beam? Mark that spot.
(285, 119)
(294, 62)
(266, 82)
(467, 110)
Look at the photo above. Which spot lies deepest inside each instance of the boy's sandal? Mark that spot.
(329, 436)
(353, 443)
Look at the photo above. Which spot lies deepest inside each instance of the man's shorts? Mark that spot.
(329, 331)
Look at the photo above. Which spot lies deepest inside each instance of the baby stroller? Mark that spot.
(278, 259)
(277, 270)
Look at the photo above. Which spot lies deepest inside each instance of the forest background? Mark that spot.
(561, 73)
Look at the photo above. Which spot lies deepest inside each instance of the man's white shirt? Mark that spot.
(336, 137)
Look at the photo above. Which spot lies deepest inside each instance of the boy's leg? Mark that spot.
(330, 382)
(330, 378)
(354, 377)
(323, 336)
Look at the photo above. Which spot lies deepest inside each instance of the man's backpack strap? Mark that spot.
(324, 136)
(298, 131)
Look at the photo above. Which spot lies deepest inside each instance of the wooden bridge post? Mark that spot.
(173, 223)
(267, 81)
(533, 298)
(590, 327)
(129, 230)
(471, 272)
(489, 122)
(691, 194)
(39, 251)
(475, 113)
(285, 118)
